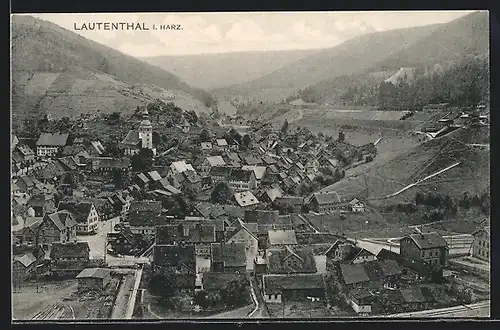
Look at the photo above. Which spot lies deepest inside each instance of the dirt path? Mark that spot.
(122, 299)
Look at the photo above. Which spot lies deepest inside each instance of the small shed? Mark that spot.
(93, 279)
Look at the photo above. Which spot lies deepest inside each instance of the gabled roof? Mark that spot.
(218, 171)
(215, 161)
(245, 198)
(240, 175)
(26, 259)
(428, 240)
(262, 216)
(80, 210)
(251, 160)
(259, 171)
(277, 260)
(55, 140)
(282, 237)
(145, 206)
(181, 166)
(61, 219)
(70, 250)
(183, 233)
(326, 198)
(132, 138)
(353, 274)
(206, 145)
(221, 142)
(238, 226)
(232, 254)
(175, 256)
(154, 175)
(276, 284)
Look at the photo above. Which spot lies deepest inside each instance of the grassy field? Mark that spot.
(299, 309)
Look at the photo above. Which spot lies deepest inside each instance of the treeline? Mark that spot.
(464, 85)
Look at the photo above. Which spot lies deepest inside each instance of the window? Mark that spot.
(487, 254)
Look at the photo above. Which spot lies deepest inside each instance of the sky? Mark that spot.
(202, 33)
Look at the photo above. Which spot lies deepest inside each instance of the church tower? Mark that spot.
(146, 134)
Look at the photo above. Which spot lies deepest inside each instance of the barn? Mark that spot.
(93, 279)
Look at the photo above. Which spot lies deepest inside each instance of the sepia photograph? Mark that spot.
(250, 166)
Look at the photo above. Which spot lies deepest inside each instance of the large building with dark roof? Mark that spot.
(430, 248)
(50, 144)
(84, 213)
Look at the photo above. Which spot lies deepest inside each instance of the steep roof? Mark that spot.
(282, 237)
(275, 284)
(428, 240)
(132, 138)
(154, 175)
(262, 216)
(273, 193)
(145, 206)
(175, 256)
(61, 219)
(326, 198)
(352, 274)
(221, 142)
(55, 140)
(70, 250)
(215, 161)
(259, 171)
(199, 233)
(232, 254)
(304, 256)
(240, 175)
(252, 160)
(26, 259)
(80, 210)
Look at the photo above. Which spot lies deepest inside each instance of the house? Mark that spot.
(428, 247)
(192, 222)
(262, 216)
(233, 159)
(97, 148)
(143, 216)
(154, 176)
(23, 155)
(107, 165)
(23, 266)
(361, 300)
(356, 206)
(69, 259)
(50, 144)
(222, 145)
(103, 206)
(206, 146)
(131, 143)
(354, 275)
(125, 242)
(56, 227)
(179, 167)
(240, 233)
(210, 162)
(291, 260)
(229, 258)
(142, 180)
(242, 180)
(481, 244)
(281, 238)
(292, 204)
(245, 199)
(41, 204)
(251, 160)
(322, 202)
(178, 264)
(197, 234)
(360, 255)
(270, 195)
(28, 234)
(84, 213)
(292, 287)
(93, 279)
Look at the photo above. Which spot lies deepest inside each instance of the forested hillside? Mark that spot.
(463, 84)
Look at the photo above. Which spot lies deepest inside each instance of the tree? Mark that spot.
(221, 194)
(161, 284)
(341, 137)
(284, 128)
(234, 293)
(114, 118)
(201, 299)
(205, 135)
(143, 161)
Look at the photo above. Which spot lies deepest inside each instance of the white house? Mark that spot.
(357, 206)
(210, 162)
(360, 301)
(84, 213)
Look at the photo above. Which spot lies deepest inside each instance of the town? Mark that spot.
(167, 214)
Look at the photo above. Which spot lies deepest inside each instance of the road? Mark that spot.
(97, 241)
(481, 309)
(122, 298)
